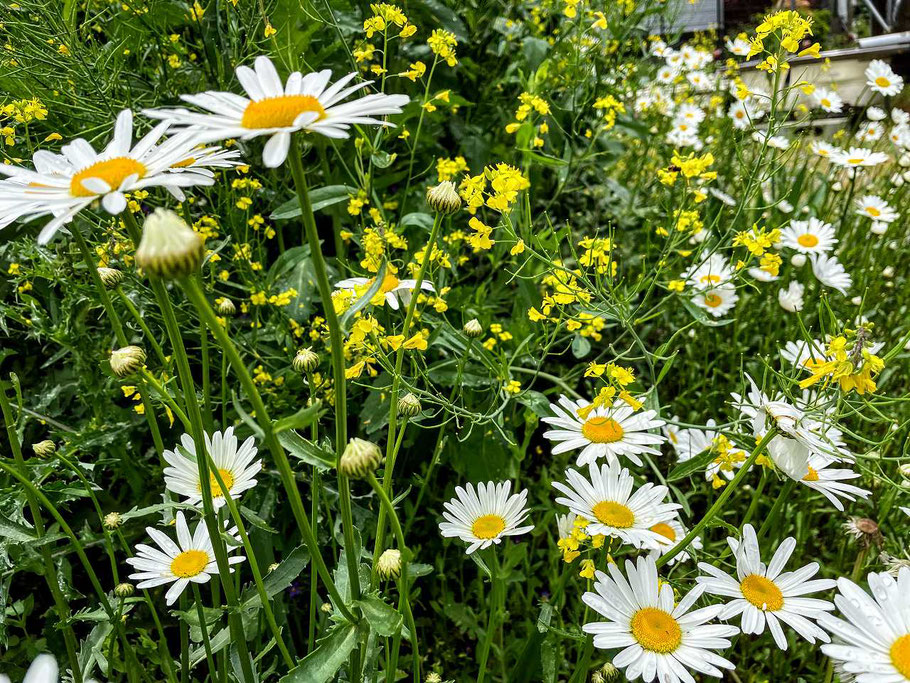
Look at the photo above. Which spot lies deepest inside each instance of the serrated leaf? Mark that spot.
(330, 654)
(383, 619)
(281, 577)
(302, 418)
(306, 450)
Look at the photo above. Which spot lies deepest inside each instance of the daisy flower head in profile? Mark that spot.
(658, 639)
(831, 481)
(237, 466)
(391, 291)
(881, 78)
(791, 298)
(857, 157)
(739, 46)
(804, 354)
(485, 516)
(190, 559)
(823, 149)
(830, 272)
(709, 273)
(62, 185)
(828, 100)
(809, 237)
(872, 641)
(765, 595)
(277, 109)
(607, 501)
(605, 432)
(876, 208)
(673, 532)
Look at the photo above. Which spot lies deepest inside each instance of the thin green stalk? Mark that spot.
(134, 312)
(777, 507)
(497, 600)
(50, 571)
(203, 627)
(721, 500)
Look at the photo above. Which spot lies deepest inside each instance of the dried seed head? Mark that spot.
(864, 530)
(444, 198)
(126, 361)
(169, 248)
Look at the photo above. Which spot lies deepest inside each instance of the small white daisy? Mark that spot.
(391, 290)
(606, 432)
(191, 558)
(765, 594)
(876, 208)
(278, 109)
(873, 641)
(709, 273)
(791, 298)
(606, 500)
(62, 185)
(870, 132)
(856, 157)
(829, 481)
(659, 640)
(717, 301)
(483, 517)
(739, 46)
(881, 79)
(809, 237)
(830, 272)
(823, 149)
(828, 100)
(237, 467)
(673, 531)
(802, 354)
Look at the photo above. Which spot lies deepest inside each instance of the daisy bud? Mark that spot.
(124, 590)
(306, 360)
(226, 306)
(473, 328)
(110, 277)
(837, 186)
(169, 248)
(326, 607)
(888, 272)
(609, 672)
(44, 449)
(444, 198)
(798, 260)
(856, 301)
(597, 677)
(359, 459)
(905, 470)
(409, 405)
(112, 520)
(126, 361)
(388, 566)
(904, 160)
(878, 228)
(433, 677)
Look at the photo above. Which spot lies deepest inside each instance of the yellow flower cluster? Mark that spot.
(24, 111)
(610, 107)
(443, 44)
(758, 241)
(598, 253)
(728, 458)
(386, 15)
(375, 241)
(530, 104)
(571, 545)
(851, 365)
(505, 182)
(790, 27)
(446, 168)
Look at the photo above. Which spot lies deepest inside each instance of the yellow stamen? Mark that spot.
(488, 526)
(189, 563)
(713, 300)
(614, 514)
(807, 240)
(900, 655)
(812, 475)
(111, 171)
(602, 430)
(762, 592)
(226, 476)
(664, 530)
(655, 630)
(882, 82)
(279, 112)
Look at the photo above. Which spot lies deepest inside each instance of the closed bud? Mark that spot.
(44, 449)
(473, 328)
(359, 459)
(112, 520)
(110, 277)
(306, 360)
(226, 306)
(409, 405)
(124, 590)
(433, 677)
(169, 248)
(327, 606)
(444, 198)
(798, 260)
(388, 566)
(126, 361)
(905, 470)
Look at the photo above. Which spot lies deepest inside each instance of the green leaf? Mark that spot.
(320, 198)
(321, 665)
(306, 450)
(302, 418)
(383, 619)
(536, 401)
(422, 220)
(280, 577)
(692, 465)
(581, 347)
(13, 531)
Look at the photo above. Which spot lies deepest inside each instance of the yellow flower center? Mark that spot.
(112, 171)
(855, 160)
(762, 592)
(812, 475)
(602, 430)
(807, 240)
(664, 530)
(882, 82)
(655, 630)
(189, 563)
(488, 526)
(389, 282)
(614, 514)
(226, 476)
(872, 211)
(279, 112)
(826, 102)
(900, 655)
(710, 279)
(713, 300)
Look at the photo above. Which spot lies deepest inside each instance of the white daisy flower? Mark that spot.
(876, 208)
(606, 432)
(237, 467)
(612, 509)
(809, 237)
(876, 114)
(673, 532)
(709, 273)
(899, 117)
(739, 46)
(717, 301)
(791, 298)
(278, 109)
(659, 640)
(855, 157)
(830, 481)
(43, 669)
(565, 525)
(828, 100)
(690, 112)
(191, 558)
(823, 149)
(63, 184)
(773, 141)
(768, 595)
(873, 642)
(742, 115)
(830, 272)
(391, 290)
(802, 354)
(881, 79)
(483, 517)
(209, 157)
(722, 196)
(870, 132)
(761, 275)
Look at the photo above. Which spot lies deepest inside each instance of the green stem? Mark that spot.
(776, 508)
(203, 627)
(496, 602)
(721, 500)
(134, 312)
